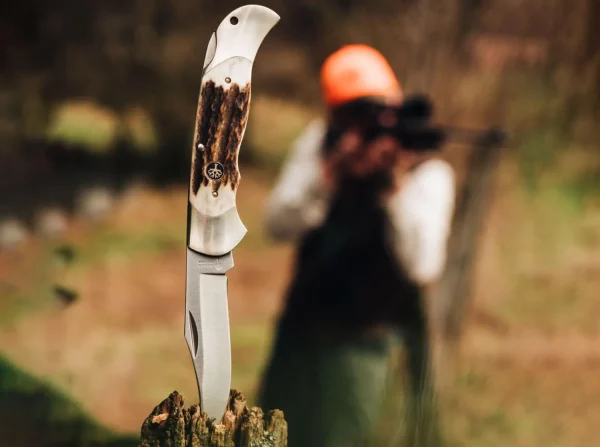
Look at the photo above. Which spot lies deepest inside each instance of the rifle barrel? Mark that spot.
(494, 136)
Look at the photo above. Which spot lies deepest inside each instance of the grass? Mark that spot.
(107, 243)
(545, 241)
(17, 303)
(516, 404)
(25, 283)
(250, 350)
(498, 403)
(32, 412)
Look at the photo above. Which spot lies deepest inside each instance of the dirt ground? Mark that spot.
(119, 349)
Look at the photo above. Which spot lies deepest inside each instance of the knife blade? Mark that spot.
(214, 227)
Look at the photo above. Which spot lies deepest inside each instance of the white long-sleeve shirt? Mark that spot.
(421, 211)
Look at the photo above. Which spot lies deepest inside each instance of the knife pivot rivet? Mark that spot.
(228, 79)
(215, 193)
(200, 147)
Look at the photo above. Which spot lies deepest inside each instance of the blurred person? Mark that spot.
(372, 221)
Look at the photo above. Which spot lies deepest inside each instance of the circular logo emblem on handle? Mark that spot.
(215, 170)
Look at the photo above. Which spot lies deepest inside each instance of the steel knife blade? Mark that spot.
(214, 227)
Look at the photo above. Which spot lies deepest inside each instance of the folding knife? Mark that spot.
(214, 227)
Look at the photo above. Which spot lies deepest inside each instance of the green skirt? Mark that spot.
(331, 389)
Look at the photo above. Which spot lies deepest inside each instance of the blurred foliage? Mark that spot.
(89, 125)
(139, 129)
(274, 123)
(146, 55)
(34, 413)
(83, 124)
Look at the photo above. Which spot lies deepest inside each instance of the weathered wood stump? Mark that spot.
(173, 425)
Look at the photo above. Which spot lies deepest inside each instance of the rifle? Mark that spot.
(409, 122)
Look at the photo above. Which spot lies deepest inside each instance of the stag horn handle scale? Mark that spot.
(214, 227)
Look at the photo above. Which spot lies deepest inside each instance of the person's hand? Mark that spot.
(351, 158)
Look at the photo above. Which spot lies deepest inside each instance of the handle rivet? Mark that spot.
(215, 193)
(200, 147)
(228, 79)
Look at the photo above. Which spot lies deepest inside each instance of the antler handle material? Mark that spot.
(222, 116)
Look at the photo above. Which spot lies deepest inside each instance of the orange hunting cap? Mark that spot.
(356, 71)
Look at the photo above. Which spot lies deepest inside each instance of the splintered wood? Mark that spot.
(173, 425)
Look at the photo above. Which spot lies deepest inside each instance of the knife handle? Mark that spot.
(223, 107)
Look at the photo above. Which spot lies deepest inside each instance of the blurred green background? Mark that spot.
(97, 105)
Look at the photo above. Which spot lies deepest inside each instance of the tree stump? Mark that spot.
(173, 425)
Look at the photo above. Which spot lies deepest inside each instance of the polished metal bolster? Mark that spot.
(215, 265)
(215, 235)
